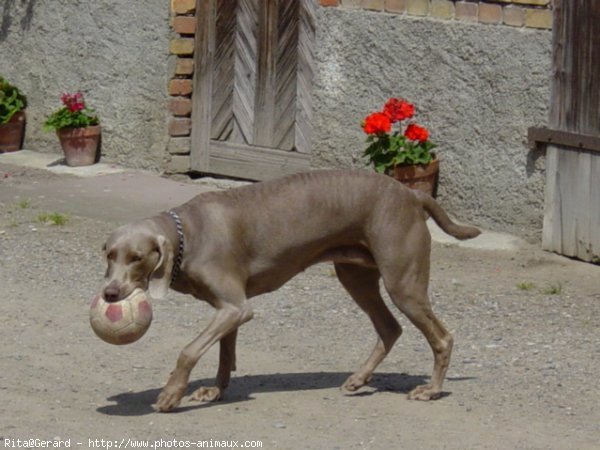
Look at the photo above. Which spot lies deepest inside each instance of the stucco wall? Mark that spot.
(477, 87)
(115, 51)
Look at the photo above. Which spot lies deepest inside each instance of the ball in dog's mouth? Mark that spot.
(121, 322)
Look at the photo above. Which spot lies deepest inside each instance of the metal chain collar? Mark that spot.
(179, 258)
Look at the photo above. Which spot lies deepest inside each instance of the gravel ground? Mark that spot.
(526, 355)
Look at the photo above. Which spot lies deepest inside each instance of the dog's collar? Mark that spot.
(179, 257)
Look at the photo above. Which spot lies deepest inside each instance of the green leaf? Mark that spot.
(11, 101)
(63, 118)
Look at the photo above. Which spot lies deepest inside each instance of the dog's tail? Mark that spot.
(461, 232)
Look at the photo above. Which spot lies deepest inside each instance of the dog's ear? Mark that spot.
(160, 278)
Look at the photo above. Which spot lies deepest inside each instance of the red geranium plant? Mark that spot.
(388, 149)
(73, 114)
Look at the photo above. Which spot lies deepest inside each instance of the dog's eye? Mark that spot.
(136, 257)
(111, 256)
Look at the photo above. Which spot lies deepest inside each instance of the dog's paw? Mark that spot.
(424, 393)
(355, 382)
(169, 399)
(207, 394)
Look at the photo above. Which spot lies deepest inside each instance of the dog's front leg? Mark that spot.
(226, 321)
(226, 365)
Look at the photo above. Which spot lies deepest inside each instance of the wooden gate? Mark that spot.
(572, 204)
(252, 87)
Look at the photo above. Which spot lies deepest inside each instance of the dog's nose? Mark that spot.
(111, 293)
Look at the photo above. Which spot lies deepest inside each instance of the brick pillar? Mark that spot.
(183, 23)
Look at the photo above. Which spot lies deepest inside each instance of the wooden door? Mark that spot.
(252, 87)
(572, 204)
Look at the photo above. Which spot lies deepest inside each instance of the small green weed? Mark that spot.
(53, 219)
(24, 204)
(554, 289)
(525, 286)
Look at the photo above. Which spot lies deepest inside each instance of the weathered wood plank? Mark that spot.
(551, 231)
(223, 71)
(286, 67)
(595, 210)
(253, 162)
(203, 80)
(244, 94)
(266, 78)
(583, 205)
(306, 44)
(575, 86)
(567, 172)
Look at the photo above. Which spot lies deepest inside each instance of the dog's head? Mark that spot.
(137, 256)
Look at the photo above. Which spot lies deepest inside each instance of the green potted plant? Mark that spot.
(12, 117)
(78, 130)
(406, 153)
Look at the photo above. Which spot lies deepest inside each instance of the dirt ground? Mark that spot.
(523, 374)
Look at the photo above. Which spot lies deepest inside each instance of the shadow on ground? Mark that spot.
(242, 388)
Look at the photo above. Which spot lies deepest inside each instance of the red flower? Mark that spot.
(398, 109)
(73, 102)
(416, 133)
(377, 123)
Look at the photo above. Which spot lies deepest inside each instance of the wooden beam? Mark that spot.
(254, 163)
(576, 141)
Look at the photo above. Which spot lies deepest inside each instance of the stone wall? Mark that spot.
(115, 52)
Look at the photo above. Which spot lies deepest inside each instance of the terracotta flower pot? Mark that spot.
(80, 145)
(419, 176)
(12, 133)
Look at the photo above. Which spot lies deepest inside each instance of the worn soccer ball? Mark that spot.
(121, 322)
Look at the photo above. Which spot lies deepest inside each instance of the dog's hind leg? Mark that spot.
(417, 308)
(406, 279)
(407, 286)
(363, 285)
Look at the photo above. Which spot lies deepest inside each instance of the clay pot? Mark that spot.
(419, 176)
(12, 133)
(80, 145)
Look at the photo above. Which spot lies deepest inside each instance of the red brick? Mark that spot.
(183, 6)
(180, 127)
(395, 6)
(490, 13)
(180, 106)
(465, 11)
(513, 15)
(180, 86)
(184, 24)
(538, 18)
(184, 66)
(329, 2)
(418, 7)
(182, 46)
(179, 146)
(373, 5)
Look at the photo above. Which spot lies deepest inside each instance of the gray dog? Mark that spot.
(226, 247)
